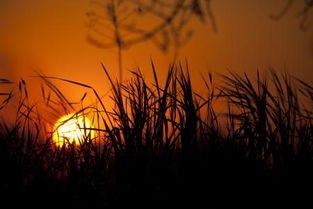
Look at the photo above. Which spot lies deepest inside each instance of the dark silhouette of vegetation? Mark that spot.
(303, 14)
(162, 144)
(121, 23)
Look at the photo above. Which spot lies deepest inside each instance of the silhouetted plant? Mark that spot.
(7, 95)
(121, 23)
(162, 138)
(303, 14)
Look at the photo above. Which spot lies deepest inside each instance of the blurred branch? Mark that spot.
(286, 8)
(124, 17)
(123, 25)
(303, 14)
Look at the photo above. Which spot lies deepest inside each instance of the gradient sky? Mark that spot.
(50, 36)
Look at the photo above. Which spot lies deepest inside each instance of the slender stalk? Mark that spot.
(120, 63)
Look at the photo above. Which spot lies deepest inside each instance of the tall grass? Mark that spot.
(160, 140)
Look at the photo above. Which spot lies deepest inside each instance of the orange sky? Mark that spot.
(50, 36)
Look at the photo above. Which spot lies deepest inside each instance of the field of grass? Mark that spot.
(164, 145)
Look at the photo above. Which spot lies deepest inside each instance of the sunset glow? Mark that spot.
(156, 103)
(72, 129)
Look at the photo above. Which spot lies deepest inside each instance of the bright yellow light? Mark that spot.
(72, 129)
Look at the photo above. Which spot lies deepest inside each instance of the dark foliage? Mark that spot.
(163, 145)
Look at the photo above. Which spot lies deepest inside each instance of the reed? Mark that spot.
(161, 141)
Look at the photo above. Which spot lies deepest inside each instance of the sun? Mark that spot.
(72, 129)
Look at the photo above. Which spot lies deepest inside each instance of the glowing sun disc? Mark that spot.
(72, 129)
